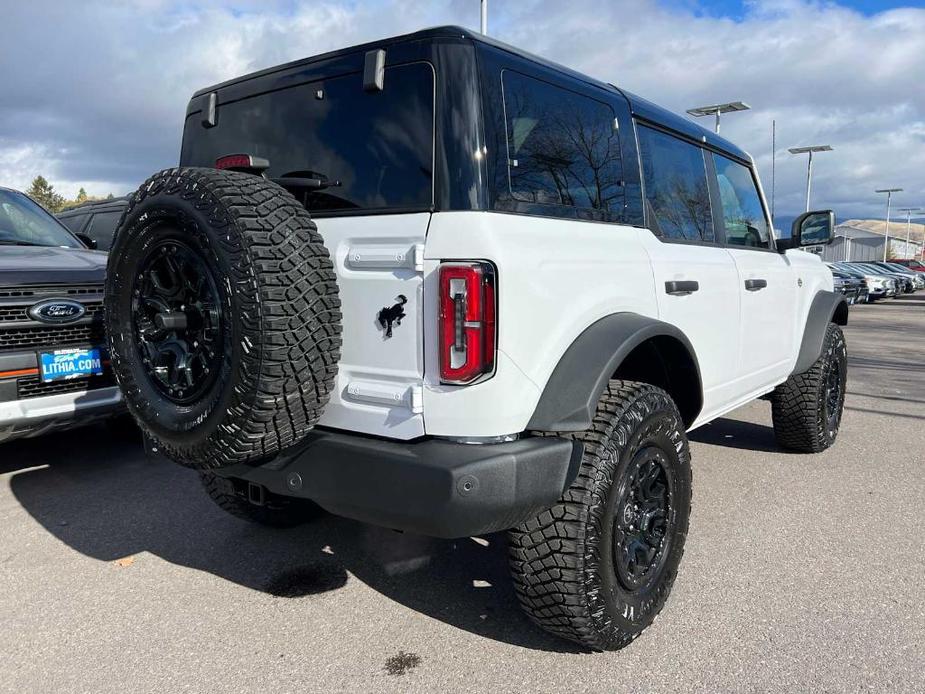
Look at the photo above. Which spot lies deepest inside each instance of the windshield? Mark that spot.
(374, 149)
(25, 223)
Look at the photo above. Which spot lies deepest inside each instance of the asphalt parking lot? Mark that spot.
(802, 573)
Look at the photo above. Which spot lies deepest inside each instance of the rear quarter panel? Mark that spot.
(555, 278)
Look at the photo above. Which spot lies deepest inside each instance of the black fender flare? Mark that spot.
(571, 394)
(827, 307)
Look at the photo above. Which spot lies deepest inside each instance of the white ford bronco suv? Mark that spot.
(440, 285)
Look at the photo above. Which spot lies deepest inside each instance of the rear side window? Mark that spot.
(103, 227)
(563, 148)
(74, 222)
(675, 182)
(743, 213)
(378, 145)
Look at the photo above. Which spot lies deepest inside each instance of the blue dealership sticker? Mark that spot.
(71, 363)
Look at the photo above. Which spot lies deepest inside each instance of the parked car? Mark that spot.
(898, 283)
(918, 282)
(918, 278)
(878, 286)
(912, 264)
(438, 284)
(906, 282)
(97, 220)
(854, 289)
(54, 369)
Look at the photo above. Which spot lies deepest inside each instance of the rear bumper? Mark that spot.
(33, 416)
(431, 487)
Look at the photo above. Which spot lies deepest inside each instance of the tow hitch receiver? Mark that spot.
(256, 494)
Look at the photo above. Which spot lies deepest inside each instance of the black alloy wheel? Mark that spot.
(177, 321)
(834, 392)
(642, 517)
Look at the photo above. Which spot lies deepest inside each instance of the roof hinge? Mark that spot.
(374, 71)
(208, 115)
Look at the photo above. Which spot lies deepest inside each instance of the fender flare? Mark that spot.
(827, 307)
(571, 394)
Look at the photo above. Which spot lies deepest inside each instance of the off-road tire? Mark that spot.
(276, 511)
(804, 417)
(280, 328)
(563, 561)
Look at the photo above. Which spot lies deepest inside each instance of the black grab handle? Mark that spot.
(755, 285)
(681, 287)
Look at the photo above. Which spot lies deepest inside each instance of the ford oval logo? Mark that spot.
(57, 311)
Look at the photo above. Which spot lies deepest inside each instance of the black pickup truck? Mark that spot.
(54, 370)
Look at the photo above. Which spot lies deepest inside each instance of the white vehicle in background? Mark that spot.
(440, 285)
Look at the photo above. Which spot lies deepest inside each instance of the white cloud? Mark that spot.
(101, 103)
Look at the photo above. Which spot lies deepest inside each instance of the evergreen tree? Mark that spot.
(44, 194)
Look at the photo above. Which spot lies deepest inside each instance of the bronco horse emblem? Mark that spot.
(392, 314)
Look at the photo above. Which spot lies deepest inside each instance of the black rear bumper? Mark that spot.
(432, 487)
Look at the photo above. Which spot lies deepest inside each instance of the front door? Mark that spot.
(766, 281)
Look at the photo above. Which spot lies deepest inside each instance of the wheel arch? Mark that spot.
(826, 307)
(622, 345)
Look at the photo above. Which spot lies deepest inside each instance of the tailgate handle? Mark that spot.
(755, 285)
(681, 287)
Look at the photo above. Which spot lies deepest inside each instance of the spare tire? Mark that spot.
(223, 316)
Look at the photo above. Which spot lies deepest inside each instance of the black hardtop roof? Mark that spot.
(82, 207)
(640, 107)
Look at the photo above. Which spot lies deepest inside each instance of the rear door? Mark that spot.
(767, 283)
(696, 281)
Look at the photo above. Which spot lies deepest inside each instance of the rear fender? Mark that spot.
(570, 397)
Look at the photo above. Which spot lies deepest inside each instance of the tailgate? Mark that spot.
(378, 260)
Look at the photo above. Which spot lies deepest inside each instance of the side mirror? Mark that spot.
(87, 241)
(813, 229)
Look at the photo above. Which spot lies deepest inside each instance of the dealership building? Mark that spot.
(855, 243)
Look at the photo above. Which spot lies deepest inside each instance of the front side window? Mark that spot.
(743, 213)
(675, 181)
(25, 223)
(563, 148)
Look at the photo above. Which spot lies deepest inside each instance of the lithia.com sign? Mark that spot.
(71, 364)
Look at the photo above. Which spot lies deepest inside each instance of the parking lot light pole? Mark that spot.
(889, 195)
(809, 164)
(484, 18)
(909, 211)
(717, 110)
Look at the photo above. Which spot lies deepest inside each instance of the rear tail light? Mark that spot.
(247, 163)
(468, 331)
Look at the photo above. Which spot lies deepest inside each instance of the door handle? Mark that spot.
(755, 285)
(681, 287)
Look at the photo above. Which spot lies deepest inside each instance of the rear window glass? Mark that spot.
(675, 180)
(563, 148)
(377, 145)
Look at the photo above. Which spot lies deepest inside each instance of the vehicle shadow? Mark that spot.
(108, 501)
(733, 433)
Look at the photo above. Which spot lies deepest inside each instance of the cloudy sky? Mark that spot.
(93, 93)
